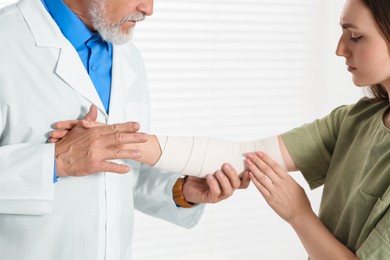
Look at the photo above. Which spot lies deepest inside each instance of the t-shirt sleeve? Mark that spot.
(311, 146)
(377, 244)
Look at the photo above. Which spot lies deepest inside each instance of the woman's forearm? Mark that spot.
(319, 243)
(150, 150)
(199, 156)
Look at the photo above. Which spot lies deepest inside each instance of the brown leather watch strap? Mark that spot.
(178, 196)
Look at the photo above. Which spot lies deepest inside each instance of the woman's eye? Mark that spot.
(356, 39)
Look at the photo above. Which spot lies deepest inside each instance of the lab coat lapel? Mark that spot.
(72, 71)
(47, 35)
(123, 77)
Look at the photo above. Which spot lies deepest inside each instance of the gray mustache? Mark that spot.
(134, 18)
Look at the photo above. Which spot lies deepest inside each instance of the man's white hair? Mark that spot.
(112, 32)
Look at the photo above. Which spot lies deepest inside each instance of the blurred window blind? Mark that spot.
(215, 66)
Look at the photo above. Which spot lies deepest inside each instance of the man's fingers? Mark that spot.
(91, 124)
(89, 119)
(92, 113)
(245, 180)
(235, 181)
(114, 167)
(224, 184)
(118, 153)
(53, 140)
(128, 127)
(232, 175)
(121, 138)
(215, 190)
(91, 116)
(66, 124)
(58, 134)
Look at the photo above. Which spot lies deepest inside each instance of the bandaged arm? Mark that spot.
(199, 156)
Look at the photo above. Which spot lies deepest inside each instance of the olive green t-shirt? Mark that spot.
(348, 152)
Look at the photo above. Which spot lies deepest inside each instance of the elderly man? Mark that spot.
(72, 199)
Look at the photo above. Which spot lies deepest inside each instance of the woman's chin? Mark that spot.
(360, 83)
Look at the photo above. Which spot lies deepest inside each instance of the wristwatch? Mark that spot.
(178, 196)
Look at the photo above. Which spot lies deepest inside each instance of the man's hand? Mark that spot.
(83, 151)
(62, 128)
(215, 187)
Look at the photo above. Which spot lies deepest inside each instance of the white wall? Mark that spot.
(197, 90)
(335, 86)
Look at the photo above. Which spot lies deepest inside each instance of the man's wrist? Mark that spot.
(178, 196)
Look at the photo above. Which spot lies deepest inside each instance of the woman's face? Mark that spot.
(363, 45)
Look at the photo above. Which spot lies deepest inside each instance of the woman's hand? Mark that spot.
(290, 202)
(279, 189)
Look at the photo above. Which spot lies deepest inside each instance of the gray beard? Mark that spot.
(111, 32)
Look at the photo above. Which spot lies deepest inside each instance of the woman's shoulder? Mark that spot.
(365, 107)
(368, 104)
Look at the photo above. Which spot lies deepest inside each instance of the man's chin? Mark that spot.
(117, 38)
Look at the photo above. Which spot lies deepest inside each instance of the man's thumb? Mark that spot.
(92, 114)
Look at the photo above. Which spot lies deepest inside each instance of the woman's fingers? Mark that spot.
(258, 174)
(279, 189)
(264, 168)
(272, 164)
(265, 172)
(266, 194)
(267, 166)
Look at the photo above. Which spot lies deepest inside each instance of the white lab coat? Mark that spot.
(42, 81)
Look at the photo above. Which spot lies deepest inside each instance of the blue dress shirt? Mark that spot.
(94, 52)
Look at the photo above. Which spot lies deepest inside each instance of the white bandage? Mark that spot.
(198, 156)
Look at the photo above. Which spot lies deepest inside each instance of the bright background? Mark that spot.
(239, 70)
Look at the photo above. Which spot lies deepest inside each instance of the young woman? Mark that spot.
(347, 152)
